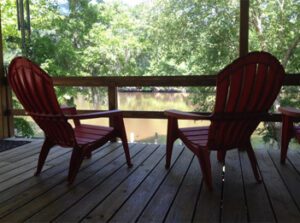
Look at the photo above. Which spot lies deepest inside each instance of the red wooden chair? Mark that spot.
(34, 89)
(246, 89)
(289, 130)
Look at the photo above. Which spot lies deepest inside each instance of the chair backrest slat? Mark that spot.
(248, 82)
(34, 89)
(234, 92)
(247, 86)
(258, 89)
(223, 91)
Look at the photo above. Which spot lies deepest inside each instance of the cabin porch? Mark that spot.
(105, 190)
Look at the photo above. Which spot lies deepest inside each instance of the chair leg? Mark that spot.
(286, 135)
(75, 163)
(43, 155)
(126, 150)
(123, 137)
(171, 137)
(253, 162)
(118, 123)
(204, 160)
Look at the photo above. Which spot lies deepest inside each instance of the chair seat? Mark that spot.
(85, 134)
(198, 136)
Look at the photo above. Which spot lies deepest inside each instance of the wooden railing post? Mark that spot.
(112, 97)
(6, 126)
(244, 27)
(112, 102)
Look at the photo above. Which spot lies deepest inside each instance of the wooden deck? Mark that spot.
(105, 190)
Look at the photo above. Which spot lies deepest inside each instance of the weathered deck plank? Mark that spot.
(143, 194)
(101, 213)
(32, 188)
(258, 204)
(290, 177)
(82, 192)
(103, 187)
(105, 190)
(234, 201)
(182, 209)
(282, 202)
(158, 207)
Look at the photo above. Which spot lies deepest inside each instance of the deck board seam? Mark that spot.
(177, 191)
(56, 184)
(54, 156)
(137, 187)
(154, 149)
(284, 182)
(244, 189)
(293, 165)
(197, 200)
(59, 172)
(163, 180)
(117, 157)
(267, 193)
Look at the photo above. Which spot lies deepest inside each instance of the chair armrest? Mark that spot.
(186, 115)
(95, 115)
(289, 111)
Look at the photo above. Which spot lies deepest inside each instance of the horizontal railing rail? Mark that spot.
(172, 81)
(112, 83)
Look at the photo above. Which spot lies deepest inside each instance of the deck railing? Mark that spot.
(112, 83)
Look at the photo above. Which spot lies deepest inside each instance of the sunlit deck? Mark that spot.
(106, 190)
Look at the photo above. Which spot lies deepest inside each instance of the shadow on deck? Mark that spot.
(106, 190)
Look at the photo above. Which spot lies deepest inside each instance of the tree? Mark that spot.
(273, 29)
(193, 37)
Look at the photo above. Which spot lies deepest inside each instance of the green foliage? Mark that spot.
(11, 37)
(23, 127)
(193, 37)
(273, 29)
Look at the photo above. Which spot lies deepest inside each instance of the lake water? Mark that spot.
(147, 130)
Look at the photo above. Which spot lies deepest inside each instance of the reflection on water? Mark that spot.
(142, 101)
(146, 130)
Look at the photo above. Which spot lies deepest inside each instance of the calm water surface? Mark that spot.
(148, 130)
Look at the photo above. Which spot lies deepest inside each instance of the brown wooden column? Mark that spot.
(112, 102)
(6, 123)
(244, 26)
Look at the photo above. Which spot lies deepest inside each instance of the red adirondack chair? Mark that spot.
(289, 130)
(34, 89)
(246, 89)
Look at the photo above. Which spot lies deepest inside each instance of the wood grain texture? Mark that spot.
(234, 201)
(258, 204)
(280, 197)
(107, 191)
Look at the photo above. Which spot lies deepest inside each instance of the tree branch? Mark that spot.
(290, 50)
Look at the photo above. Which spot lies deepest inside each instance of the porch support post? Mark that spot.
(6, 128)
(112, 102)
(244, 26)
